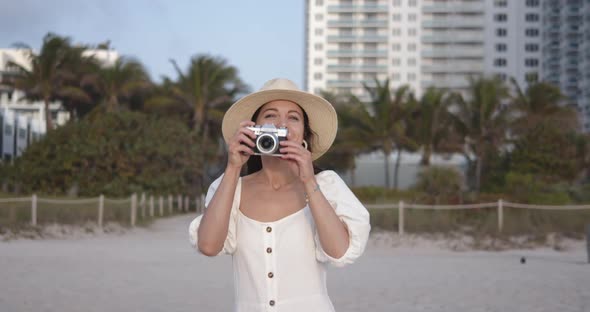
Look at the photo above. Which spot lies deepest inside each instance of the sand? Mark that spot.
(155, 269)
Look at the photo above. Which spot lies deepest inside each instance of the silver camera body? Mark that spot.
(268, 138)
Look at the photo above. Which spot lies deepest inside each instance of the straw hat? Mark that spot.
(322, 116)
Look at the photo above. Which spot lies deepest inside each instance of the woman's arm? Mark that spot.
(331, 230)
(215, 222)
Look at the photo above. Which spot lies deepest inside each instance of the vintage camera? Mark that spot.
(267, 139)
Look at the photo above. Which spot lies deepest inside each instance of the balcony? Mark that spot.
(353, 68)
(456, 7)
(366, 8)
(357, 23)
(357, 38)
(452, 37)
(350, 82)
(360, 53)
(453, 68)
(452, 53)
(454, 23)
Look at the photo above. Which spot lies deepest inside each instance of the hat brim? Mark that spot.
(323, 120)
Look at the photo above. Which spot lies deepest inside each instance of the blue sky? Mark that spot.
(263, 38)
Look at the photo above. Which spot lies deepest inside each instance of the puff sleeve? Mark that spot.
(351, 211)
(229, 245)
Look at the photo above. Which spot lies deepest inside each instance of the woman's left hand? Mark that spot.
(299, 160)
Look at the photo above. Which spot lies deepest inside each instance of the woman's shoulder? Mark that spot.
(329, 178)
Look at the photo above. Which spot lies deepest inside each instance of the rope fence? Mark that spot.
(131, 208)
(500, 206)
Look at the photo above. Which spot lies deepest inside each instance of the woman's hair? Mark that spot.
(254, 163)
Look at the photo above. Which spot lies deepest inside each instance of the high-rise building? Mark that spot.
(566, 51)
(421, 43)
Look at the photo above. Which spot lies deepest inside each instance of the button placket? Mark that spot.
(270, 265)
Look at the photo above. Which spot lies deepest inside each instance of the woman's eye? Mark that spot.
(294, 118)
(270, 116)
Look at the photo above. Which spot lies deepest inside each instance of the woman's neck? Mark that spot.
(276, 172)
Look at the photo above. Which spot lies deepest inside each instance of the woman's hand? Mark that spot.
(300, 160)
(240, 145)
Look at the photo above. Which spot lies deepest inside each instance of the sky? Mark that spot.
(264, 39)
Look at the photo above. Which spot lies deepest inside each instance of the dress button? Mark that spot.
(270, 275)
(268, 250)
(272, 303)
(268, 229)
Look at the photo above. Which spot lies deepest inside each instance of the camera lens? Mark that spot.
(266, 144)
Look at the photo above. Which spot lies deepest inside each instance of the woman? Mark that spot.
(280, 250)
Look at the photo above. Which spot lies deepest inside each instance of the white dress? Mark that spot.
(280, 265)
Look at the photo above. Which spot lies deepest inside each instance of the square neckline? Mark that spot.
(239, 189)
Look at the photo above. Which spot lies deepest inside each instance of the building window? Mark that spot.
(411, 76)
(501, 32)
(412, 32)
(319, 17)
(412, 17)
(531, 47)
(397, 3)
(396, 32)
(531, 77)
(396, 62)
(500, 17)
(396, 47)
(500, 3)
(395, 77)
(411, 47)
(319, 2)
(396, 17)
(317, 61)
(502, 76)
(531, 17)
(530, 62)
(532, 3)
(412, 62)
(531, 32)
(501, 47)
(319, 31)
(317, 76)
(412, 3)
(318, 47)
(500, 62)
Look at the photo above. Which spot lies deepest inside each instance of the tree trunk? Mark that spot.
(48, 121)
(397, 163)
(113, 104)
(479, 165)
(425, 161)
(387, 182)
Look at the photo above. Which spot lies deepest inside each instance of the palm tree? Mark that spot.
(430, 124)
(51, 72)
(384, 118)
(352, 137)
(209, 85)
(482, 120)
(539, 103)
(118, 82)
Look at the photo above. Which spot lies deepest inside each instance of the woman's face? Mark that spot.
(283, 113)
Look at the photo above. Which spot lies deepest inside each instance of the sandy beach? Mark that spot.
(155, 269)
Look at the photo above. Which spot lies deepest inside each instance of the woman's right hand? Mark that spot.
(240, 145)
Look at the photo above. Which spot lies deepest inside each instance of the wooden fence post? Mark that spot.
(170, 204)
(34, 210)
(133, 208)
(100, 210)
(401, 217)
(500, 215)
(143, 205)
(186, 203)
(161, 206)
(152, 206)
(179, 202)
